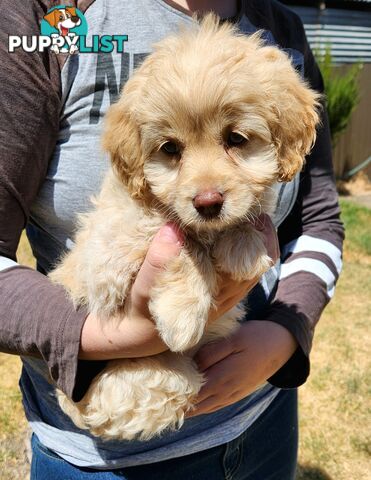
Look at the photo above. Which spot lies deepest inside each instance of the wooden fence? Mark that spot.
(354, 145)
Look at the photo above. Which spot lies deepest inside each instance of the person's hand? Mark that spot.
(135, 334)
(236, 366)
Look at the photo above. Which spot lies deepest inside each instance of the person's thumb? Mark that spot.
(166, 244)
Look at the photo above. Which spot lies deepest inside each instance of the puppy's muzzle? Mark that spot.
(208, 203)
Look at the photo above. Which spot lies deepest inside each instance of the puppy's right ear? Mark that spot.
(72, 11)
(121, 139)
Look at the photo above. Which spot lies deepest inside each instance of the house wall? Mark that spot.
(347, 31)
(349, 34)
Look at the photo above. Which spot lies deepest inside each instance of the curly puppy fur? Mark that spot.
(203, 129)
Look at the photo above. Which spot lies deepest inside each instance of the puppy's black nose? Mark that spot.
(75, 19)
(208, 203)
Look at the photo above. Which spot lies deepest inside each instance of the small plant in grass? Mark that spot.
(342, 92)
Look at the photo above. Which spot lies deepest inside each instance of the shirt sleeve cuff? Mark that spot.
(296, 370)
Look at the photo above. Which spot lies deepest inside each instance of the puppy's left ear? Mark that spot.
(121, 139)
(295, 113)
(52, 18)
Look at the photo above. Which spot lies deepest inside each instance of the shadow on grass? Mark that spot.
(306, 472)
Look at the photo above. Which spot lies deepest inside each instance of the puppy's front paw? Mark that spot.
(242, 254)
(180, 304)
(180, 319)
(73, 49)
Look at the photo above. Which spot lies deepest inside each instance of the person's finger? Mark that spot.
(235, 292)
(166, 245)
(229, 288)
(212, 353)
(229, 296)
(205, 406)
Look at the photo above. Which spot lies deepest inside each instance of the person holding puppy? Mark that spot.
(242, 427)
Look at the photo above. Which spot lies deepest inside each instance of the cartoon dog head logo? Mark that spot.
(65, 25)
(63, 19)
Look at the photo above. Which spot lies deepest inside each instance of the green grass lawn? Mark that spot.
(357, 221)
(334, 403)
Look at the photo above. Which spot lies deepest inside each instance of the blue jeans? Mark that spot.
(266, 451)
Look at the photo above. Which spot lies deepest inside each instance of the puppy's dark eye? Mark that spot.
(235, 139)
(171, 148)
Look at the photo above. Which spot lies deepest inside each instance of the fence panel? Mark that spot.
(354, 145)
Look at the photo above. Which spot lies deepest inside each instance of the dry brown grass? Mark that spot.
(13, 461)
(334, 403)
(358, 185)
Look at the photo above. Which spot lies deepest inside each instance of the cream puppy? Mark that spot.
(203, 129)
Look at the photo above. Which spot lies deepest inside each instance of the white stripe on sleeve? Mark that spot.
(316, 267)
(6, 263)
(307, 243)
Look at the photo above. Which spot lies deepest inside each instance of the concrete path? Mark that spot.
(364, 200)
